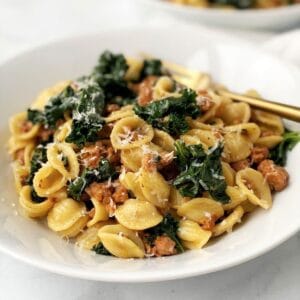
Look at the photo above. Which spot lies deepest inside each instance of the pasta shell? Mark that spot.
(15, 125)
(236, 113)
(164, 140)
(100, 213)
(154, 187)
(131, 182)
(55, 154)
(89, 237)
(228, 173)
(236, 197)
(33, 209)
(75, 229)
(48, 180)
(123, 112)
(192, 235)
(134, 69)
(227, 224)
(201, 209)
(121, 242)
(269, 141)
(138, 215)
(131, 132)
(176, 199)
(62, 132)
(43, 98)
(253, 184)
(64, 214)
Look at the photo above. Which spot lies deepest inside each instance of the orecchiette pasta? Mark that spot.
(227, 224)
(154, 187)
(192, 235)
(131, 132)
(135, 161)
(21, 128)
(33, 209)
(138, 214)
(201, 209)
(66, 213)
(48, 180)
(253, 184)
(62, 157)
(121, 242)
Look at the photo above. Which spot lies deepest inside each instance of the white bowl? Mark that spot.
(271, 19)
(237, 65)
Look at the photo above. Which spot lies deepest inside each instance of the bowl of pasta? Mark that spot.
(115, 167)
(246, 14)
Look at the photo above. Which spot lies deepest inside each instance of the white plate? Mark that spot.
(237, 65)
(273, 18)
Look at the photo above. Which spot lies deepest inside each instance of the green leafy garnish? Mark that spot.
(168, 226)
(35, 198)
(54, 110)
(87, 120)
(169, 114)
(103, 172)
(152, 67)
(39, 157)
(109, 73)
(200, 171)
(100, 249)
(279, 153)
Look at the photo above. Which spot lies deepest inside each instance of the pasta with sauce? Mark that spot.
(128, 162)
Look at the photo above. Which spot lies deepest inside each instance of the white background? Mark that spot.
(275, 275)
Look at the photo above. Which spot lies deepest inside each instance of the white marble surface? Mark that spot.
(276, 275)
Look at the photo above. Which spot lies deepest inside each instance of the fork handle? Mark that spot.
(286, 111)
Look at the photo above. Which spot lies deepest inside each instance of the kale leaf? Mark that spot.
(39, 157)
(169, 114)
(54, 109)
(152, 67)
(168, 226)
(103, 172)
(87, 120)
(200, 171)
(100, 249)
(109, 73)
(279, 153)
(35, 198)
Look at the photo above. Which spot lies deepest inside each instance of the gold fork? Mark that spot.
(190, 77)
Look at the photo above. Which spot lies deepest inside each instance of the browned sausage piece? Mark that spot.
(204, 100)
(145, 90)
(240, 165)
(276, 176)
(163, 246)
(258, 154)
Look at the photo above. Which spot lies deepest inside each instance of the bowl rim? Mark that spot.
(133, 277)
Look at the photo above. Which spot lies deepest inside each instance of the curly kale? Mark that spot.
(200, 171)
(152, 67)
(100, 249)
(103, 172)
(54, 109)
(87, 120)
(109, 73)
(35, 198)
(169, 227)
(279, 153)
(169, 114)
